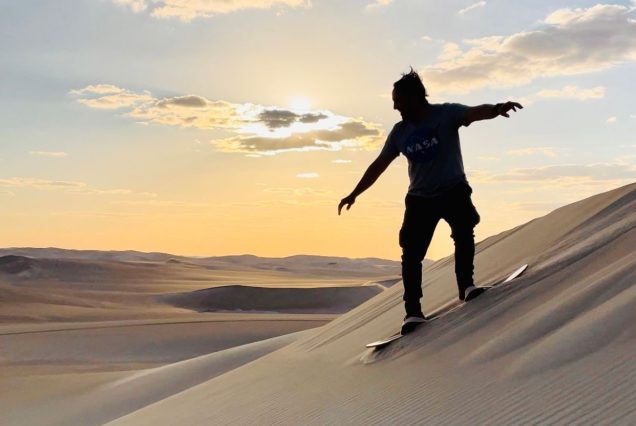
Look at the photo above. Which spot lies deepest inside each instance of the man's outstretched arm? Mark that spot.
(488, 111)
(372, 174)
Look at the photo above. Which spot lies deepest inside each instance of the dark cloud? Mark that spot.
(312, 118)
(189, 101)
(277, 118)
(357, 133)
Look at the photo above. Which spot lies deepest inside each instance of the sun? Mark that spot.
(299, 104)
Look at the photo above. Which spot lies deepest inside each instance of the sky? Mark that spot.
(214, 127)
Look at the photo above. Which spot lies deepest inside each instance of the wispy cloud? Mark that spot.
(565, 175)
(160, 203)
(107, 96)
(611, 120)
(187, 10)
(299, 192)
(55, 154)
(134, 5)
(258, 129)
(569, 42)
(472, 7)
(27, 182)
(450, 51)
(573, 92)
(67, 186)
(543, 150)
(341, 161)
(378, 3)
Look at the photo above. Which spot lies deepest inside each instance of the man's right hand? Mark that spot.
(346, 201)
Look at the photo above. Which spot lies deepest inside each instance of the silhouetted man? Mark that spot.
(428, 136)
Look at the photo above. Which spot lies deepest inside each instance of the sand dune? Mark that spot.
(558, 346)
(294, 300)
(107, 396)
(89, 286)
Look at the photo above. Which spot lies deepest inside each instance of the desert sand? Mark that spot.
(556, 346)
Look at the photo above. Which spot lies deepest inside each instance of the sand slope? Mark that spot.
(97, 398)
(558, 346)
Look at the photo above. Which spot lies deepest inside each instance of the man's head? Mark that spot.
(409, 95)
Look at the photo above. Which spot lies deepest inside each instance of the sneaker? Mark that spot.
(471, 292)
(411, 321)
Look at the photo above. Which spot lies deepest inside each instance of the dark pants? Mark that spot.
(420, 219)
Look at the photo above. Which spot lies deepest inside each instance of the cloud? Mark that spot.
(569, 42)
(352, 134)
(341, 161)
(472, 7)
(258, 129)
(107, 96)
(99, 89)
(187, 10)
(611, 120)
(48, 153)
(277, 118)
(544, 150)
(574, 92)
(378, 4)
(450, 51)
(134, 5)
(299, 192)
(21, 182)
(312, 118)
(68, 186)
(160, 203)
(188, 101)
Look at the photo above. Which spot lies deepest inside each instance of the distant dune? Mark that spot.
(299, 263)
(85, 285)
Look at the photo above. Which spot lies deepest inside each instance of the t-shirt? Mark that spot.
(432, 149)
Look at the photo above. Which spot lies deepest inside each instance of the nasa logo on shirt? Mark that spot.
(422, 145)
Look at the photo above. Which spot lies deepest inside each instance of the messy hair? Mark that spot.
(411, 84)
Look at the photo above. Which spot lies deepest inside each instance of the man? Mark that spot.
(428, 137)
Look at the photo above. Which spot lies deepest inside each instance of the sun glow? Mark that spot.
(300, 104)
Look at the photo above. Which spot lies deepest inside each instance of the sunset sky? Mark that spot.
(213, 127)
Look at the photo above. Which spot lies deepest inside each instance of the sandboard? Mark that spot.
(379, 344)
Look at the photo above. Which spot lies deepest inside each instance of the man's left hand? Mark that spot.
(502, 109)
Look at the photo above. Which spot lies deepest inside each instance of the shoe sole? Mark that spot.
(477, 291)
(410, 326)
